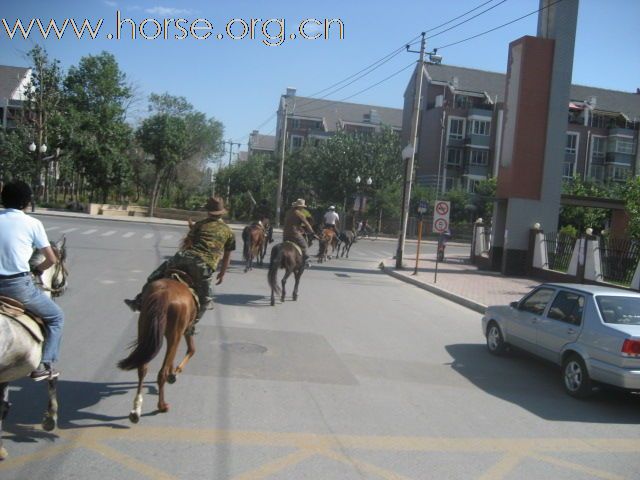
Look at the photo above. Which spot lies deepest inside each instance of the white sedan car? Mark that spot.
(593, 332)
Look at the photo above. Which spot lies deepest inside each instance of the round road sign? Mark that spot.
(440, 225)
(442, 208)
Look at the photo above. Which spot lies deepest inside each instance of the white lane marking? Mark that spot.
(128, 234)
(167, 237)
(48, 229)
(109, 233)
(148, 235)
(89, 232)
(68, 230)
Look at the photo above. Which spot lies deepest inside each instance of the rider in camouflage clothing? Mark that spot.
(208, 241)
(295, 225)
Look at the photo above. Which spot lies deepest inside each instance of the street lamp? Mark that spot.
(407, 155)
(360, 199)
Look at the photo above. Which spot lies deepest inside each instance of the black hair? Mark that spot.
(16, 195)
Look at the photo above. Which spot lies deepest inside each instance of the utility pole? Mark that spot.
(282, 154)
(408, 170)
(231, 145)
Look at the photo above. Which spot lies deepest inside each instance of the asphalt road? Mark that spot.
(362, 377)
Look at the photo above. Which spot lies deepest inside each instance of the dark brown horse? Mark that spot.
(285, 255)
(168, 310)
(328, 239)
(254, 237)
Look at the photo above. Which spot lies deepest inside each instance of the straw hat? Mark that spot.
(299, 203)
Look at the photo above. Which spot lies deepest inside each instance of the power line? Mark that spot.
(378, 63)
(499, 26)
(467, 20)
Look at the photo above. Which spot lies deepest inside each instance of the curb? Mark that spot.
(460, 300)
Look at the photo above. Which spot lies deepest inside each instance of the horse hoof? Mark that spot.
(134, 417)
(48, 424)
(273, 302)
(295, 298)
(3, 453)
(163, 408)
(171, 378)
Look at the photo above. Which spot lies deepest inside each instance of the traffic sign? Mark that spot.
(441, 216)
(422, 206)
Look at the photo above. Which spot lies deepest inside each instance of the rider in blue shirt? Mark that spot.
(19, 235)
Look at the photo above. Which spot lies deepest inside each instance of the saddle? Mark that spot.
(185, 279)
(29, 321)
(294, 245)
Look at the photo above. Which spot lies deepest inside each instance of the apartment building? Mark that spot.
(13, 84)
(259, 143)
(311, 120)
(460, 128)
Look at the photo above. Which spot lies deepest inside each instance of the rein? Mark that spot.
(56, 287)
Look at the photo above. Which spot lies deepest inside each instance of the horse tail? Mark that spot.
(274, 264)
(152, 322)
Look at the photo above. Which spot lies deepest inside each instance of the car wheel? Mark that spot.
(575, 376)
(495, 342)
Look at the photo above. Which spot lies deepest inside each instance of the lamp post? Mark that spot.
(360, 199)
(38, 151)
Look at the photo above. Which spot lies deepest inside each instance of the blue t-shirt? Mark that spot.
(19, 235)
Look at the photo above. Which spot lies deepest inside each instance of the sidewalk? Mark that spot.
(461, 282)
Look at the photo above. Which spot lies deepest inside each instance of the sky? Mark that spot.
(239, 81)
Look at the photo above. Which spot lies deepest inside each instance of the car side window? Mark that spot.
(537, 301)
(567, 307)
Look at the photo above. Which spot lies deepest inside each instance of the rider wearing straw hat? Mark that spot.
(295, 225)
(208, 241)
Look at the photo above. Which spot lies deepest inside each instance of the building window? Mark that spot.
(623, 145)
(600, 121)
(618, 174)
(449, 183)
(596, 172)
(454, 157)
(481, 127)
(295, 123)
(567, 170)
(472, 185)
(463, 101)
(598, 149)
(572, 144)
(479, 157)
(296, 141)
(456, 128)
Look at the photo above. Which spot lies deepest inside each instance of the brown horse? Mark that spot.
(254, 238)
(285, 255)
(168, 310)
(327, 239)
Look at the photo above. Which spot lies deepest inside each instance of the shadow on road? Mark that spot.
(243, 300)
(30, 401)
(536, 386)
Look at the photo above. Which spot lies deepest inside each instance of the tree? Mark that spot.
(631, 195)
(583, 217)
(96, 98)
(177, 139)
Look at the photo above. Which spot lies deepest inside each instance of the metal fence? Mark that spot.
(559, 250)
(618, 259)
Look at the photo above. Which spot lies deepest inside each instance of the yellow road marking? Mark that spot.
(129, 462)
(277, 465)
(307, 445)
(579, 468)
(504, 466)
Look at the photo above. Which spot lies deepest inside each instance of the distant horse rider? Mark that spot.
(296, 225)
(208, 241)
(332, 219)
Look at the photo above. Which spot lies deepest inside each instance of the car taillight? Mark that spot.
(631, 347)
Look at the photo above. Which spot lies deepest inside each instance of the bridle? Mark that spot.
(57, 286)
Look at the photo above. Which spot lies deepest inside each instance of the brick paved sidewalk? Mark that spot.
(462, 282)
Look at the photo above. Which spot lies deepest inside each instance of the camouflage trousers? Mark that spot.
(197, 270)
(300, 241)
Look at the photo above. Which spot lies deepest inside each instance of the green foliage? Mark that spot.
(569, 230)
(631, 196)
(582, 217)
(484, 198)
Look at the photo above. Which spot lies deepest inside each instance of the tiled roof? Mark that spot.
(10, 78)
(263, 142)
(494, 83)
(334, 112)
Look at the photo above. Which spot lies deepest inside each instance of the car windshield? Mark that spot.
(619, 309)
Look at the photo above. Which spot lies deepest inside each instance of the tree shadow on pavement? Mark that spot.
(239, 299)
(536, 386)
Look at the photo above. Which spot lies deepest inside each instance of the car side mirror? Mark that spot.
(514, 305)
